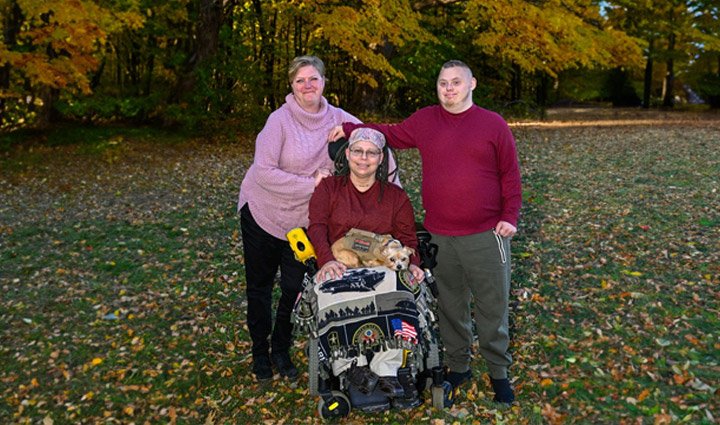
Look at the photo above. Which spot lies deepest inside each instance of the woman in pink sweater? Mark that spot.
(290, 160)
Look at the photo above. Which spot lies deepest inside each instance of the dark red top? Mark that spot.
(470, 172)
(336, 206)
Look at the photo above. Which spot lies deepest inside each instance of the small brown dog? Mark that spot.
(360, 248)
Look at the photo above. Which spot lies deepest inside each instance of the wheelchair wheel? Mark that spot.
(313, 367)
(340, 409)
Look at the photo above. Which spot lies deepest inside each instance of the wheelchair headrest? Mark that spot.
(337, 147)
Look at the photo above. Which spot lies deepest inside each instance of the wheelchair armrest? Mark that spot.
(426, 250)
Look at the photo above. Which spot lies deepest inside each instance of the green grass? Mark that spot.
(123, 285)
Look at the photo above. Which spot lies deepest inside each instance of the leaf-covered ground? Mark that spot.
(122, 285)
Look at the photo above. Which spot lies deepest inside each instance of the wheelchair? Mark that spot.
(371, 319)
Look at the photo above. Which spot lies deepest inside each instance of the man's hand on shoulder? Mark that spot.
(336, 133)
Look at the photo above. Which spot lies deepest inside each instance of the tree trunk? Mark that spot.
(298, 36)
(715, 99)
(668, 100)
(516, 84)
(147, 83)
(12, 20)
(97, 75)
(267, 51)
(647, 86)
(47, 114)
(207, 35)
(542, 91)
(133, 67)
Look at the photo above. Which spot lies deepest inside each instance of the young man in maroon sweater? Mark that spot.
(472, 195)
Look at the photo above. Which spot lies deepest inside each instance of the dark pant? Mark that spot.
(264, 253)
(474, 268)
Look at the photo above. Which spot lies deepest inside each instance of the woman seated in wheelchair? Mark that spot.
(359, 196)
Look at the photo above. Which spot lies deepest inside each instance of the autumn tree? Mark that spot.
(356, 40)
(637, 19)
(48, 47)
(153, 62)
(675, 32)
(705, 68)
(548, 37)
(200, 61)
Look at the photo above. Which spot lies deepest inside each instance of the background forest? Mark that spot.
(126, 127)
(185, 62)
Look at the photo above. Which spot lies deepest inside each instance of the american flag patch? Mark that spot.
(404, 330)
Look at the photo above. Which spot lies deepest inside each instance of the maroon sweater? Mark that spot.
(471, 177)
(336, 206)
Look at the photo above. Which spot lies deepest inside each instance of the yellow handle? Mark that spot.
(300, 244)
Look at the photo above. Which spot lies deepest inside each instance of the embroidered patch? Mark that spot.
(354, 280)
(333, 340)
(369, 333)
(404, 330)
(361, 245)
(408, 281)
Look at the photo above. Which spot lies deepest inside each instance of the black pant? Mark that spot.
(264, 253)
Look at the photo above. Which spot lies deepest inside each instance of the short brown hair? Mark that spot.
(456, 63)
(302, 61)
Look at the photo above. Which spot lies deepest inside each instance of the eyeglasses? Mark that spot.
(370, 154)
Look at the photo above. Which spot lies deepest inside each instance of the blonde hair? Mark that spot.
(302, 61)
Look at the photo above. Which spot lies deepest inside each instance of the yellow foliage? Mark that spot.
(551, 38)
(65, 37)
(362, 29)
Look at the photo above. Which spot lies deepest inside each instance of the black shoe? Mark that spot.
(410, 389)
(406, 403)
(390, 386)
(362, 378)
(284, 365)
(458, 378)
(503, 391)
(261, 368)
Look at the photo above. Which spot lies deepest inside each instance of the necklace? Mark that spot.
(363, 186)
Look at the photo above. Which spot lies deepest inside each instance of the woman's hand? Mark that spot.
(320, 174)
(331, 270)
(336, 133)
(417, 272)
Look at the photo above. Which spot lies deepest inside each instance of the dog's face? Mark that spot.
(397, 256)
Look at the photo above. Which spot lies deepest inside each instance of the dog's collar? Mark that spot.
(389, 241)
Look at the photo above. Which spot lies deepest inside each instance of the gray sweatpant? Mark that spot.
(476, 265)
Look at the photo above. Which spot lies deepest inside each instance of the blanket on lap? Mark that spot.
(367, 309)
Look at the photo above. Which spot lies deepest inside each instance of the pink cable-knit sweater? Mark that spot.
(288, 150)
